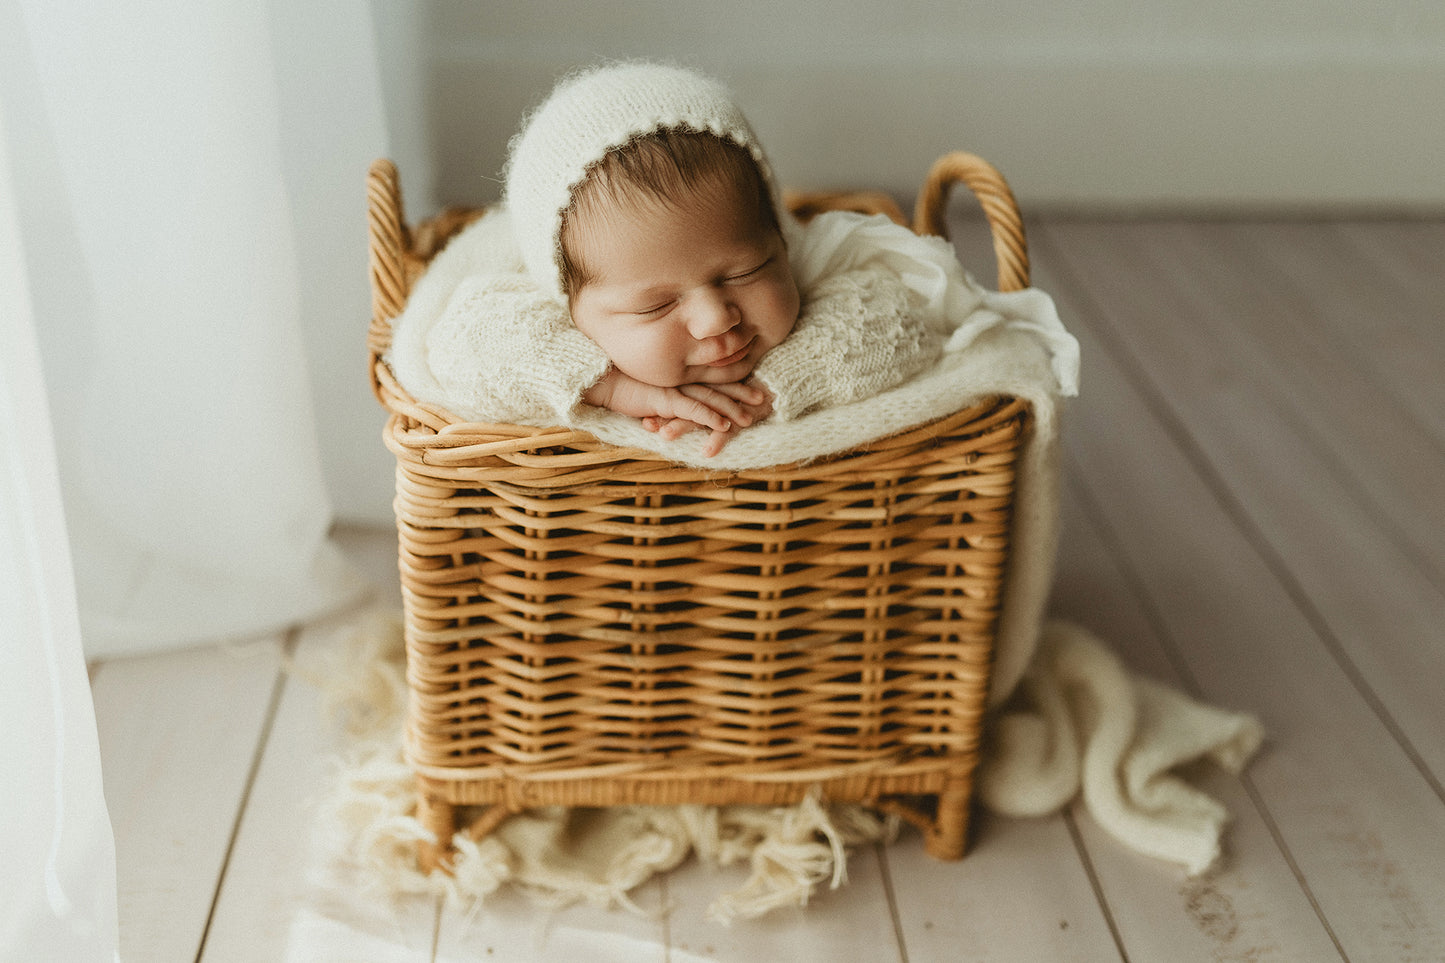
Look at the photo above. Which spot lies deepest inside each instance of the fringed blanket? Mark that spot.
(1080, 723)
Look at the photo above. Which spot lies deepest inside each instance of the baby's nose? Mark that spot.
(711, 313)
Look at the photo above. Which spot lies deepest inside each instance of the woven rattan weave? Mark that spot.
(591, 625)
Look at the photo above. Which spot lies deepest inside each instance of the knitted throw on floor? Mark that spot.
(1080, 725)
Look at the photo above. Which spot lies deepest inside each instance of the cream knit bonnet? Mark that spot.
(590, 113)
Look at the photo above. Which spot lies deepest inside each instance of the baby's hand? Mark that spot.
(672, 412)
(745, 403)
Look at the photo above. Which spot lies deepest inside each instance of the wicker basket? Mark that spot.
(591, 625)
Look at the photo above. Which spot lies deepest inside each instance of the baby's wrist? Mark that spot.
(599, 393)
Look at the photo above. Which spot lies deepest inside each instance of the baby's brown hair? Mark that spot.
(662, 165)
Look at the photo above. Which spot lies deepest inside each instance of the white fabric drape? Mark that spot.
(182, 220)
(161, 235)
(57, 855)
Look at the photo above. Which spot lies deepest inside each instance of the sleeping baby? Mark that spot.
(642, 262)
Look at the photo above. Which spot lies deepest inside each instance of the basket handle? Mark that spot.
(1004, 220)
(386, 228)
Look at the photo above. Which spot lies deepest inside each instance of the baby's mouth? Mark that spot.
(733, 358)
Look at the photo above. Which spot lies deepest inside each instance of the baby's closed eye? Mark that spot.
(655, 310)
(748, 274)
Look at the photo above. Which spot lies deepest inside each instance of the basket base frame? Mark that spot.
(938, 805)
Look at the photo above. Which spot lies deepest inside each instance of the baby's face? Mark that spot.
(695, 291)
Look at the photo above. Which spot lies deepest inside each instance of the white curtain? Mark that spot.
(183, 225)
(57, 855)
(163, 220)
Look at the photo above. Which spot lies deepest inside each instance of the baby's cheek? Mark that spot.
(790, 306)
(659, 358)
(786, 321)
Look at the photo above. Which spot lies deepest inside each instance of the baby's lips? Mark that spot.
(733, 358)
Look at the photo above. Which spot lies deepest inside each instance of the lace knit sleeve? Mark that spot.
(502, 351)
(858, 335)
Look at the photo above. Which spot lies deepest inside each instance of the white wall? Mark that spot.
(1097, 103)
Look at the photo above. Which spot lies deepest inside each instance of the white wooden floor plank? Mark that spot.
(329, 936)
(264, 883)
(509, 928)
(1379, 610)
(178, 737)
(1020, 893)
(1251, 907)
(270, 906)
(852, 922)
(1356, 816)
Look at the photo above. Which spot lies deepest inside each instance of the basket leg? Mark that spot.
(947, 836)
(490, 819)
(439, 817)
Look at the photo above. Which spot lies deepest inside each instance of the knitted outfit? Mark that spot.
(500, 345)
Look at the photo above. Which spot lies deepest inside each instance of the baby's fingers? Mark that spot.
(715, 442)
(748, 393)
(671, 428)
(754, 400)
(674, 428)
(721, 403)
(706, 410)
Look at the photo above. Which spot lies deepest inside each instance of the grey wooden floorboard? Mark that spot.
(1406, 255)
(1352, 811)
(1194, 302)
(1374, 607)
(1251, 906)
(1388, 330)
